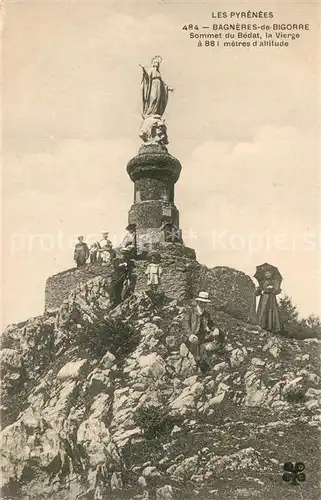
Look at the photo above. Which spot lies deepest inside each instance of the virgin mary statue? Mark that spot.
(154, 90)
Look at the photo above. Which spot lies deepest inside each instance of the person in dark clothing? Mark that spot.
(130, 278)
(199, 326)
(268, 314)
(81, 252)
(123, 279)
(117, 281)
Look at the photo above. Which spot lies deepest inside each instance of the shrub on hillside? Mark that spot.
(294, 327)
(108, 334)
(294, 395)
(155, 421)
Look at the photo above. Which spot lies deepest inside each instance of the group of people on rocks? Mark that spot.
(102, 251)
(202, 336)
(123, 279)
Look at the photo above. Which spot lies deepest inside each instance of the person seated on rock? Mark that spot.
(199, 326)
(105, 248)
(81, 252)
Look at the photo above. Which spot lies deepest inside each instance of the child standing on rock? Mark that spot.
(154, 270)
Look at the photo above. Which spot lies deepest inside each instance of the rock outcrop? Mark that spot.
(101, 404)
(182, 278)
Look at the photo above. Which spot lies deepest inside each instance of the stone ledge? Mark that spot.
(183, 278)
(154, 164)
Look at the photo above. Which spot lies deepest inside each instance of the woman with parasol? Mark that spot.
(268, 315)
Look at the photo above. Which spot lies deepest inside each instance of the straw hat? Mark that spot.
(203, 297)
(125, 250)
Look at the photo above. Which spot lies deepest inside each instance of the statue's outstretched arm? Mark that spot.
(169, 89)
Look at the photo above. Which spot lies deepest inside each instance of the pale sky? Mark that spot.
(243, 122)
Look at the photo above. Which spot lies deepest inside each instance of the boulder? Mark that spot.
(73, 369)
(164, 493)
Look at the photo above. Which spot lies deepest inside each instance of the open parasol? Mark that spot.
(263, 268)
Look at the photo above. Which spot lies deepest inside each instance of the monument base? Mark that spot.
(183, 278)
(166, 249)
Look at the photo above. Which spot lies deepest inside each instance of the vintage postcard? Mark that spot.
(161, 250)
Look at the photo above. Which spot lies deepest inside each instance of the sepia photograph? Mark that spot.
(161, 250)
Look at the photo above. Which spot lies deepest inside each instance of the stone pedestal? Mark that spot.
(182, 278)
(154, 173)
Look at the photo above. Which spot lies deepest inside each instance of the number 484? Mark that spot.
(190, 27)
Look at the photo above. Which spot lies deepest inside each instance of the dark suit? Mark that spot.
(81, 254)
(198, 324)
(122, 280)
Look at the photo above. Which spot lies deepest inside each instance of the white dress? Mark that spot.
(105, 247)
(154, 272)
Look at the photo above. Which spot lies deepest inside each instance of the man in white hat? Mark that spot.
(200, 327)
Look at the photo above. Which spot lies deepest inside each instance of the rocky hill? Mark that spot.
(100, 404)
